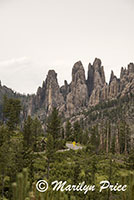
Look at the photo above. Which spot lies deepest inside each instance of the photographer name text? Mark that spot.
(62, 186)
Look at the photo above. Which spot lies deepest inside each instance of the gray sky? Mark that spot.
(38, 35)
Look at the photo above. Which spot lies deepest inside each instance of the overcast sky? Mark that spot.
(38, 35)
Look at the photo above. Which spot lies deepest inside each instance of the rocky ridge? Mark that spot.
(81, 93)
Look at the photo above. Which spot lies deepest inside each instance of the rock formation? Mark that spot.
(81, 93)
(78, 95)
(95, 81)
(49, 95)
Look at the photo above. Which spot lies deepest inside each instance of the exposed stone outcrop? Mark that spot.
(127, 80)
(78, 96)
(99, 76)
(100, 91)
(96, 76)
(114, 86)
(65, 89)
(95, 81)
(53, 97)
(81, 93)
(49, 95)
(112, 76)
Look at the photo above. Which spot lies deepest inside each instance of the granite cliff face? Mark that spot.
(95, 81)
(78, 94)
(81, 93)
(47, 96)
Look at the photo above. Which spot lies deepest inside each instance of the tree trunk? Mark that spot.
(107, 141)
(48, 168)
(117, 142)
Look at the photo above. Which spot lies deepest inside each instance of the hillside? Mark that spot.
(81, 94)
(95, 116)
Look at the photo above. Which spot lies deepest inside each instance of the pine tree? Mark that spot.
(21, 186)
(93, 168)
(36, 132)
(31, 132)
(113, 144)
(27, 133)
(77, 132)
(68, 130)
(76, 172)
(11, 112)
(85, 137)
(49, 152)
(54, 127)
(95, 138)
(6, 156)
(122, 136)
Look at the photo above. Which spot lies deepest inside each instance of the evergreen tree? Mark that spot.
(77, 132)
(31, 132)
(49, 152)
(36, 132)
(85, 137)
(27, 133)
(68, 130)
(113, 144)
(11, 112)
(54, 128)
(124, 137)
(95, 138)
(21, 186)
(62, 133)
(76, 172)
(6, 159)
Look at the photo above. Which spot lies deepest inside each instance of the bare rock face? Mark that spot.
(123, 72)
(53, 97)
(124, 85)
(65, 89)
(95, 96)
(78, 95)
(105, 92)
(95, 81)
(81, 93)
(99, 76)
(96, 76)
(100, 91)
(114, 86)
(49, 95)
(90, 79)
(130, 68)
(127, 80)
(112, 76)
